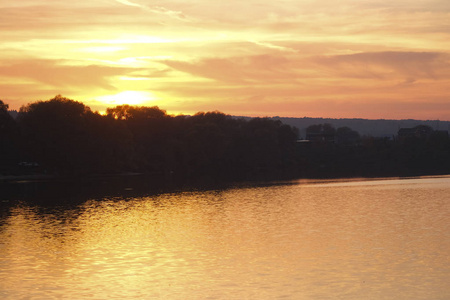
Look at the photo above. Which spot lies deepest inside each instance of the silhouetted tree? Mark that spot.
(347, 136)
(128, 112)
(65, 136)
(321, 128)
(8, 140)
(56, 133)
(151, 130)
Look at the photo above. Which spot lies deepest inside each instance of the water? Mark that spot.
(372, 239)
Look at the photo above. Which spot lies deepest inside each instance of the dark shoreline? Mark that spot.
(30, 178)
(48, 191)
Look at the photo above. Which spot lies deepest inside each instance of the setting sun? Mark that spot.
(127, 97)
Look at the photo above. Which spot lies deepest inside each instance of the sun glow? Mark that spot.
(127, 97)
(255, 58)
(102, 49)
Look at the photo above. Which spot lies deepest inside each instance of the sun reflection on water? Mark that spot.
(293, 241)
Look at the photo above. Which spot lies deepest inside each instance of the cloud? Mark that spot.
(366, 84)
(43, 20)
(388, 65)
(294, 68)
(245, 69)
(129, 3)
(167, 12)
(273, 46)
(59, 73)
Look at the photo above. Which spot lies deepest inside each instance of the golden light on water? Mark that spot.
(354, 240)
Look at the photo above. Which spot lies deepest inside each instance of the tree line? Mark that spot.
(67, 138)
(63, 137)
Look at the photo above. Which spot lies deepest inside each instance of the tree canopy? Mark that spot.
(64, 137)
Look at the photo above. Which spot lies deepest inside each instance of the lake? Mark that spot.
(305, 239)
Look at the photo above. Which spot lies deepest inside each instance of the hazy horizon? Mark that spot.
(16, 110)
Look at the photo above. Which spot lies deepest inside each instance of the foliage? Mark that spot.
(8, 140)
(64, 137)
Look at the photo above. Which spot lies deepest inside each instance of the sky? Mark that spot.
(293, 58)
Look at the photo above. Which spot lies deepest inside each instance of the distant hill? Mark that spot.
(375, 128)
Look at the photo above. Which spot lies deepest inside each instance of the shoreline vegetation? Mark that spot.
(63, 138)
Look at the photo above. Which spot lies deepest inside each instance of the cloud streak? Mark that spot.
(129, 3)
(58, 74)
(290, 68)
(384, 65)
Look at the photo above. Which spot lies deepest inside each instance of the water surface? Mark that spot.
(335, 239)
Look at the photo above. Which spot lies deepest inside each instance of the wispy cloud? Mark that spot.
(58, 73)
(388, 65)
(273, 46)
(171, 13)
(129, 3)
(290, 68)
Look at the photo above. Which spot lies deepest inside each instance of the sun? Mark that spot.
(127, 97)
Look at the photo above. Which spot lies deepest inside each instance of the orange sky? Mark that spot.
(352, 58)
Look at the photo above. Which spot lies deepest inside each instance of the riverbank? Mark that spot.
(46, 177)
(46, 190)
